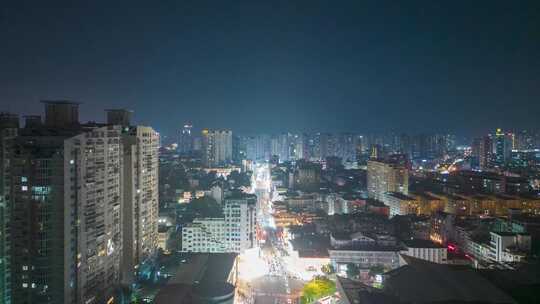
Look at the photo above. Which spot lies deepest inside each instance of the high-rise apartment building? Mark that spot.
(525, 140)
(61, 114)
(217, 147)
(121, 117)
(280, 146)
(386, 176)
(346, 147)
(140, 206)
(502, 147)
(83, 204)
(9, 125)
(482, 151)
(185, 139)
(307, 175)
(65, 193)
(140, 189)
(299, 149)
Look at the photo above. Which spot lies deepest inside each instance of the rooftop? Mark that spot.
(61, 102)
(401, 196)
(205, 267)
(241, 195)
(368, 247)
(356, 292)
(425, 282)
(420, 243)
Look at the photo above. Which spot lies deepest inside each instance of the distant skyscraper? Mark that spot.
(279, 146)
(307, 175)
(525, 140)
(502, 147)
(258, 147)
(120, 117)
(61, 113)
(217, 147)
(386, 176)
(185, 139)
(482, 151)
(197, 143)
(238, 149)
(299, 146)
(346, 147)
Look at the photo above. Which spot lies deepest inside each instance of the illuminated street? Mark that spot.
(264, 270)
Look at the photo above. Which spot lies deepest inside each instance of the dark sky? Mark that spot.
(463, 66)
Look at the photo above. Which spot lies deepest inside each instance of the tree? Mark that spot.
(328, 269)
(352, 270)
(240, 179)
(204, 206)
(375, 270)
(317, 288)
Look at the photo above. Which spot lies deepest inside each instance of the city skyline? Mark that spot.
(284, 152)
(198, 130)
(457, 68)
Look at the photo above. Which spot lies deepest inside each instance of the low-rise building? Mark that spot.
(164, 238)
(400, 204)
(508, 247)
(207, 278)
(365, 256)
(204, 235)
(234, 232)
(420, 281)
(425, 250)
(441, 227)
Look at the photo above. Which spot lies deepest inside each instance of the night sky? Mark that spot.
(362, 66)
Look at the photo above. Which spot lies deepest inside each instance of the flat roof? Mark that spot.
(420, 243)
(59, 102)
(205, 267)
(425, 282)
(367, 247)
(357, 292)
(401, 196)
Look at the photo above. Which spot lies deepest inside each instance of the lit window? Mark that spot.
(25, 267)
(24, 188)
(25, 285)
(24, 179)
(71, 162)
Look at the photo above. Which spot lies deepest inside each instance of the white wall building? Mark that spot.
(205, 235)
(234, 232)
(365, 257)
(385, 177)
(399, 204)
(425, 250)
(509, 247)
(217, 147)
(240, 217)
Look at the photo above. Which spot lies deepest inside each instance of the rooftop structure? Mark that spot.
(421, 281)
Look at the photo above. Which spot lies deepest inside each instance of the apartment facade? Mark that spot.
(66, 221)
(385, 177)
(234, 232)
(217, 147)
(140, 189)
(9, 125)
